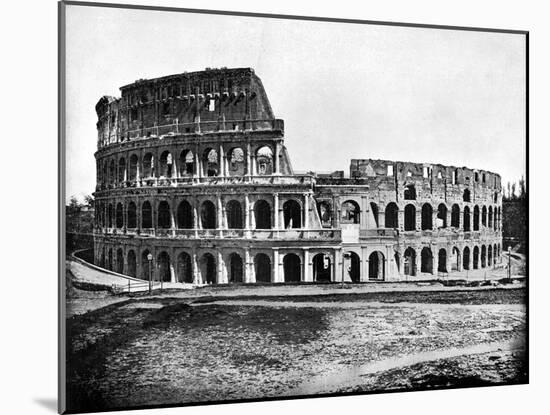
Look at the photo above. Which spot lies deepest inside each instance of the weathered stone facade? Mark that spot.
(192, 168)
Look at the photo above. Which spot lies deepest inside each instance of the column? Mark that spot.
(223, 161)
(175, 163)
(434, 219)
(364, 214)
(248, 164)
(306, 275)
(338, 265)
(249, 276)
(198, 164)
(196, 221)
(401, 213)
(173, 209)
(138, 169)
(435, 259)
(172, 270)
(275, 265)
(471, 259)
(306, 210)
(221, 278)
(220, 213)
(277, 167)
(418, 257)
(276, 211)
(246, 212)
(364, 264)
(381, 217)
(195, 266)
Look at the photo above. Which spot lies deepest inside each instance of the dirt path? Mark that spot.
(332, 381)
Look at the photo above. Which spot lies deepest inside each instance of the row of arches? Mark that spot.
(182, 271)
(207, 212)
(209, 162)
(458, 260)
(429, 218)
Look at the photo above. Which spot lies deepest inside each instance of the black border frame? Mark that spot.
(61, 187)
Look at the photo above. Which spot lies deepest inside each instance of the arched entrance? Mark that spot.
(262, 267)
(145, 265)
(476, 257)
(410, 218)
(350, 212)
(426, 261)
(163, 264)
(184, 269)
(292, 268)
(132, 263)
(184, 215)
(235, 268)
(208, 215)
(322, 267)
(164, 215)
(234, 215)
(208, 269)
(483, 256)
(409, 266)
(376, 266)
(455, 260)
(391, 216)
(353, 266)
(292, 214)
(262, 215)
(119, 261)
(427, 214)
(442, 260)
(466, 258)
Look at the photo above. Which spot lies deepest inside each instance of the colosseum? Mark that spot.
(193, 172)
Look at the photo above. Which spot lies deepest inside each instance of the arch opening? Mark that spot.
(427, 214)
(292, 214)
(235, 268)
(322, 268)
(409, 265)
(292, 268)
(262, 214)
(376, 266)
(426, 261)
(262, 267)
(391, 216)
(234, 215)
(350, 212)
(184, 268)
(410, 218)
(184, 215)
(164, 217)
(208, 215)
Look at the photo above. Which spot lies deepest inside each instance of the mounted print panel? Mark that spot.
(272, 207)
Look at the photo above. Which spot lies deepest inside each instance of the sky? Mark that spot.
(344, 90)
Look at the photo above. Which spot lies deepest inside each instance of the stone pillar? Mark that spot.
(248, 163)
(364, 213)
(471, 259)
(381, 217)
(138, 169)
(364, 264)
(172, 271)
(275, 265)
(175, 163)
(222, 158)
(222, 276)
(307, 266)
(401, 219)
(246, 212)
(249, 276)
(306, 211)
(418, 257)
(276, 211)
(196, 219)
(195, 265)
(435, 259)
(198, 165)
(338, 266)
(220, 213)
(277, 167)
(434, 220)
(418, 218)
(173, 209)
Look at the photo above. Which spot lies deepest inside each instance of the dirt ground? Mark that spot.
(147, 351)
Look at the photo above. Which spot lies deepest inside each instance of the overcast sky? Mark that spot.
(344, 90)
